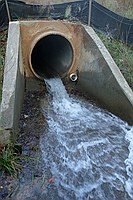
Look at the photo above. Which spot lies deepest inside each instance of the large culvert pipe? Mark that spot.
(51, 56)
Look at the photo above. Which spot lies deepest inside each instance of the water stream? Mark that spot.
(86, 150)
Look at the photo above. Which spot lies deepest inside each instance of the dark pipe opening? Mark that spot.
(51, 56)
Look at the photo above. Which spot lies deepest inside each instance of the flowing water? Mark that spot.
(86, 150)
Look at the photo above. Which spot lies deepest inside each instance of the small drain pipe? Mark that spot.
(73, 77)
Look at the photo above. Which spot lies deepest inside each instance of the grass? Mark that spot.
(121, 7)
(9, 159)
(122, 55)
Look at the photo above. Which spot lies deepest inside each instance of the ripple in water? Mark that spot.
(85, 150)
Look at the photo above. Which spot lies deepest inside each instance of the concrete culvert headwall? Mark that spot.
(51, 56)
(53, 48)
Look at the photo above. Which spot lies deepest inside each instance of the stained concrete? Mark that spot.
(33, 31)
(100, 77)
(98, 74)
(13, 85)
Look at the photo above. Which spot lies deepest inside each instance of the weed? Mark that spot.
(12, 161)
(122, 55)
(9, 160)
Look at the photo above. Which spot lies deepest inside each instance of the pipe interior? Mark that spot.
(51, 56)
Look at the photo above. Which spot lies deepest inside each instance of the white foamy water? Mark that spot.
(129, 163)
(87, 150)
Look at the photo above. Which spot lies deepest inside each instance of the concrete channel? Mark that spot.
(45, 49)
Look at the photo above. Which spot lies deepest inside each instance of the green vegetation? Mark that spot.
(122, 55)
(9, 159)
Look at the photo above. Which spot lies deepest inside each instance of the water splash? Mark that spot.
(129, 163)
(84, 149)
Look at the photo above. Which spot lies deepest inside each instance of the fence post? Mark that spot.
(8, 12)
(89, 16)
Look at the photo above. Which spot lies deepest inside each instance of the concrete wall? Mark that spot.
(101, 78)
(98, 74)
(13, 85)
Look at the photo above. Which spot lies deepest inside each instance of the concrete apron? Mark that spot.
(45, 49)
